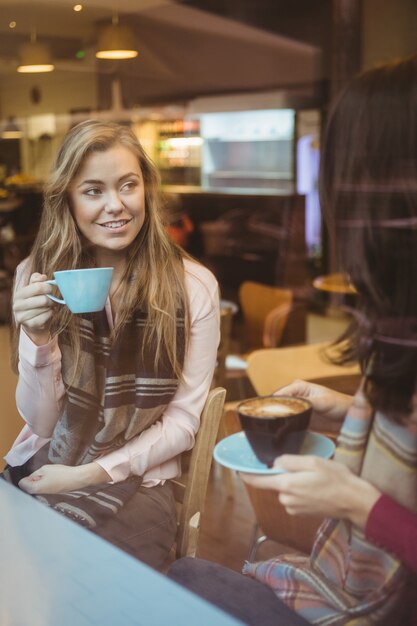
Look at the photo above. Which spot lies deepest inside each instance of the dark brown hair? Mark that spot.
(368, 194)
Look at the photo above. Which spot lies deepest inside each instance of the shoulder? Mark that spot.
(199, 277)
(202, 287)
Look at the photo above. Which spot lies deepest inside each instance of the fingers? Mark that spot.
(31, 306)
(34, 319)
(35, 302)
(300, 463)
(298, 387)
(37, 286)
(293, 505)
(262, 481)
(56, 478)
(296, 471)
(29, 483)
(36, 278)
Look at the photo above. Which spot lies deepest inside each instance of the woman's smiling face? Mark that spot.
(108, 200)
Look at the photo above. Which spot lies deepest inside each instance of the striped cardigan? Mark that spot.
(347, 580)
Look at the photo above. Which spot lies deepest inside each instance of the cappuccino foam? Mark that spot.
(272, 407)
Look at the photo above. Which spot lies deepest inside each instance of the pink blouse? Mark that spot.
(154, 453)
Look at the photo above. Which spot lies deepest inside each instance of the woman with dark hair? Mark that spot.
(111, 399)
(368, 191)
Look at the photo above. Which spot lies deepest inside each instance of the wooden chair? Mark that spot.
(268, 370)
(191, 487)
(265, 311)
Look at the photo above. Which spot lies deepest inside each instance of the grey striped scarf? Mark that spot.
(116, 395)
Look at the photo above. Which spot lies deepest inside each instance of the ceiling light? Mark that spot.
(116, 42)
(77, 7)
(12, 24)
(34, 57)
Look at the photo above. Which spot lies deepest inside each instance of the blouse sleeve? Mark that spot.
(394, 527)
(175, 431)
(40, 390)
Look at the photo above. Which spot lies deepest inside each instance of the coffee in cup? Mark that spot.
(269, 423)
(83, 290)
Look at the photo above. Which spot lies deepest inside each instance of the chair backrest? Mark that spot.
(270, 369)
(191, 487)
(265, 311)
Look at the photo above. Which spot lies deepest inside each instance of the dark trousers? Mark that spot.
(246, 599)
(146, 526)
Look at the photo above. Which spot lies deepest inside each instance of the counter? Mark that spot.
(228, 191)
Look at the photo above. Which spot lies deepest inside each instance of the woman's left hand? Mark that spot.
(315, 486)
(50, 479)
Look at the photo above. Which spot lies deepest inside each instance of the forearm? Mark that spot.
(342, 402)
(50, 479)
(40, 390)
(91, 474)
(357, 498)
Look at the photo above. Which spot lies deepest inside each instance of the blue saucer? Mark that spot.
(235, 452)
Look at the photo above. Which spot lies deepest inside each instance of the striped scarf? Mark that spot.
(347, 579)
(116, 395)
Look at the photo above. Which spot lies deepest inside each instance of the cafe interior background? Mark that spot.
(229, 98)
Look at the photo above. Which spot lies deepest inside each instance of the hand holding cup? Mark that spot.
(32, 309)
(83, 290)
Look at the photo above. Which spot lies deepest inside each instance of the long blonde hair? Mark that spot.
(153, 279)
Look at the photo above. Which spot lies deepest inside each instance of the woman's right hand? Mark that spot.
(313, 486)
(32, 309)
(326, 402)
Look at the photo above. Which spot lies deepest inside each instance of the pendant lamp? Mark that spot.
(34, 57)
(116, 42)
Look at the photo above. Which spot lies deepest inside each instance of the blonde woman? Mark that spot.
(110, 399)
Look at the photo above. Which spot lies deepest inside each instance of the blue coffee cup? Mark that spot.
(84, 290)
